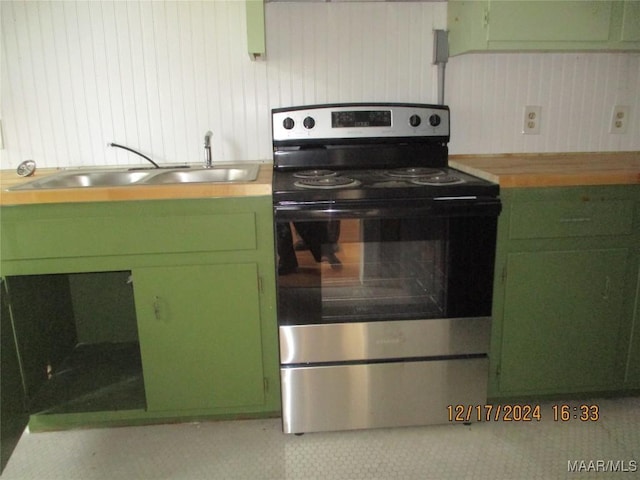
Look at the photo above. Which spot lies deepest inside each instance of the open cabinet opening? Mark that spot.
(77, 342)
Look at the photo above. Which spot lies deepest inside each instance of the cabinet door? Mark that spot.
(569, 21)
(530, 25)
(562, 320)
(200, 339)
(632, 379)
(13, 412)
(630, 31)
(255, 28)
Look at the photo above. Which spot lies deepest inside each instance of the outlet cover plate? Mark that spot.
(531, 120)
(619, 119)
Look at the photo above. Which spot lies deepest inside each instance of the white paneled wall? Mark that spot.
(336, 52)
(157, 75)
(153, 75)
(487, 94)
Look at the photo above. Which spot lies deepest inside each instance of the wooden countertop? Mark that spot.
(9, 178)
(553, 170)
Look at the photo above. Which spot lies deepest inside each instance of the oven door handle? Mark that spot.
(409, 208)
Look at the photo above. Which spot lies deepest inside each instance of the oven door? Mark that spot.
(343, 262)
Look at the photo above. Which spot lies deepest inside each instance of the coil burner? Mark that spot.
(327, 183)
(314, 173)
(413, 172)
(437, 180)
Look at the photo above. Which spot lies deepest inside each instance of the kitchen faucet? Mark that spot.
(208, 163)
(117, 145)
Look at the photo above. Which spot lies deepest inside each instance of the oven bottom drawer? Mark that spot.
(318, 343)
(349, 397)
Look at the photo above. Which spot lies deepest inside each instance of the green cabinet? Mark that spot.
(565, 289)
(13, 411)
(632, 377)
(563, 314)
(203, 342)
(520, 25)
(629, 30)
(174, 300)
(256, 43)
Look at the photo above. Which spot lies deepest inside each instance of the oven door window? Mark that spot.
(354, 269)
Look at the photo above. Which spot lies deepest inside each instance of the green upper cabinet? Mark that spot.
(570, 21)
(630, 24)
(255, 29)
(524, 25)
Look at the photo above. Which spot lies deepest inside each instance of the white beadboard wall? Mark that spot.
(487, 94)
(156, 75)
(152, 75)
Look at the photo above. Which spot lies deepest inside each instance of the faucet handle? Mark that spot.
(208, 162)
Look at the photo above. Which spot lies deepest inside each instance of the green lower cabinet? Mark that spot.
(565, 304)
(13, 411)
(632, 377)
(174, 320)
(200, 336)
(563, 317)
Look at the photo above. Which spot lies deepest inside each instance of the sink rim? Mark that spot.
(55, 180)
(143, 176)
(249, 172)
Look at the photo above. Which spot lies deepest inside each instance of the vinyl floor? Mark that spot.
(257, 449)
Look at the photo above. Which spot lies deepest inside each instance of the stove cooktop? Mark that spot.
(376, 151)
(410, 182)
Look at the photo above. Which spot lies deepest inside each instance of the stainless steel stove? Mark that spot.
(385, 267)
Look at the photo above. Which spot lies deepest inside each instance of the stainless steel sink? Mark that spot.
(88, 178)
(122, 177)
(205, 175)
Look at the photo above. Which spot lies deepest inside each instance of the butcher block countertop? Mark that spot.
(9, 178)
(553, 170)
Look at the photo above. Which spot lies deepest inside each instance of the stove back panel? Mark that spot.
(369, 155)
(336, 123)
(356, 136)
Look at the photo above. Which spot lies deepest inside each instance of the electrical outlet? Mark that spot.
(619, 119)
(531, 123)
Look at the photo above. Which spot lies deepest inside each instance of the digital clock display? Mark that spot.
(361, 118)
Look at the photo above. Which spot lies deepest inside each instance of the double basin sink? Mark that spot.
(96, 177)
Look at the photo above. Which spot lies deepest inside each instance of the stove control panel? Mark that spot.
(360, 120)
